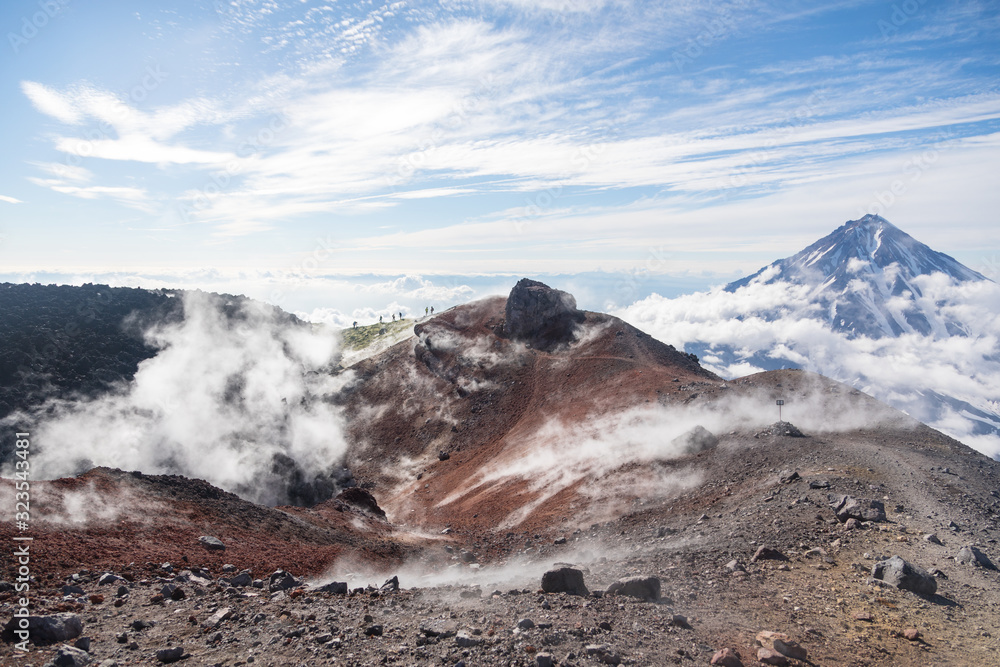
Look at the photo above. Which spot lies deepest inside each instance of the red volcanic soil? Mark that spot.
(113, 520)
(463, 388)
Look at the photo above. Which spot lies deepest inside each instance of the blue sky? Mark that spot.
(311, 153)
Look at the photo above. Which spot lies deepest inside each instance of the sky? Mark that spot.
(347, 159)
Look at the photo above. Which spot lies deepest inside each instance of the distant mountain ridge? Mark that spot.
(863, 275)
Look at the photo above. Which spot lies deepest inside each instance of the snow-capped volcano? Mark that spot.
(864, 276)
(868, 305)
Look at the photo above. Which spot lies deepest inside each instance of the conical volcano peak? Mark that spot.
(858, 268)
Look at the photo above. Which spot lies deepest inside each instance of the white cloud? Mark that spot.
(52, 103)
(10, 200)
(780, 321)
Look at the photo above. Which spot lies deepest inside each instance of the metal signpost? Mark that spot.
(779, 403)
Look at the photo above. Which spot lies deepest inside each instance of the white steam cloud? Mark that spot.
(235, 387)
(951, 382)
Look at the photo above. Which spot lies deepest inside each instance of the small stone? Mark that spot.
(218, 617)
(69, 656)
(373, 631)
(767, 553)
(726, 658)
(766, 638)
(83, 643)
(544, 660)
(911, 634)
(679, 621)
(122, 591)
(525, 624)
(852, 524)
(211, 543)
(72, 590)
(170, 654)
(334, 588)
(790, 649)
(862, 616)
(603, 653)
(769, 656)
(932, 538)
(108, 578)
(643, 588)
(464, 640)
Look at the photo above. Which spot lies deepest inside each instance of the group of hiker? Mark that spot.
(428, 310)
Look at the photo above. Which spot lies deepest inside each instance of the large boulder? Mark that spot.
(905, 576)
(564, 580)
(644, 588)
(48, 629)
(694, 441)
(849, 507)
(362, 499)
(539, 315)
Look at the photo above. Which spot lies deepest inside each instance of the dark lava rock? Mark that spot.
(281, 581)
(848, 507)
(694, 441)
(48, 629)
(211, 543)
(905, 576)
(334, 587)
(644, 588)
(69, 656)
(767, 553)
(540, 315)
(170, 654)
(564, 580)
(362, 499)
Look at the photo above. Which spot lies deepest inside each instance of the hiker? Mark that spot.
(355, 325)
(380, 319)
(425, 311)
(394, 317)
(432, 310)
(400, 316)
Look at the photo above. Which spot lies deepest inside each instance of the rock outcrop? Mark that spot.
(540, 316)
